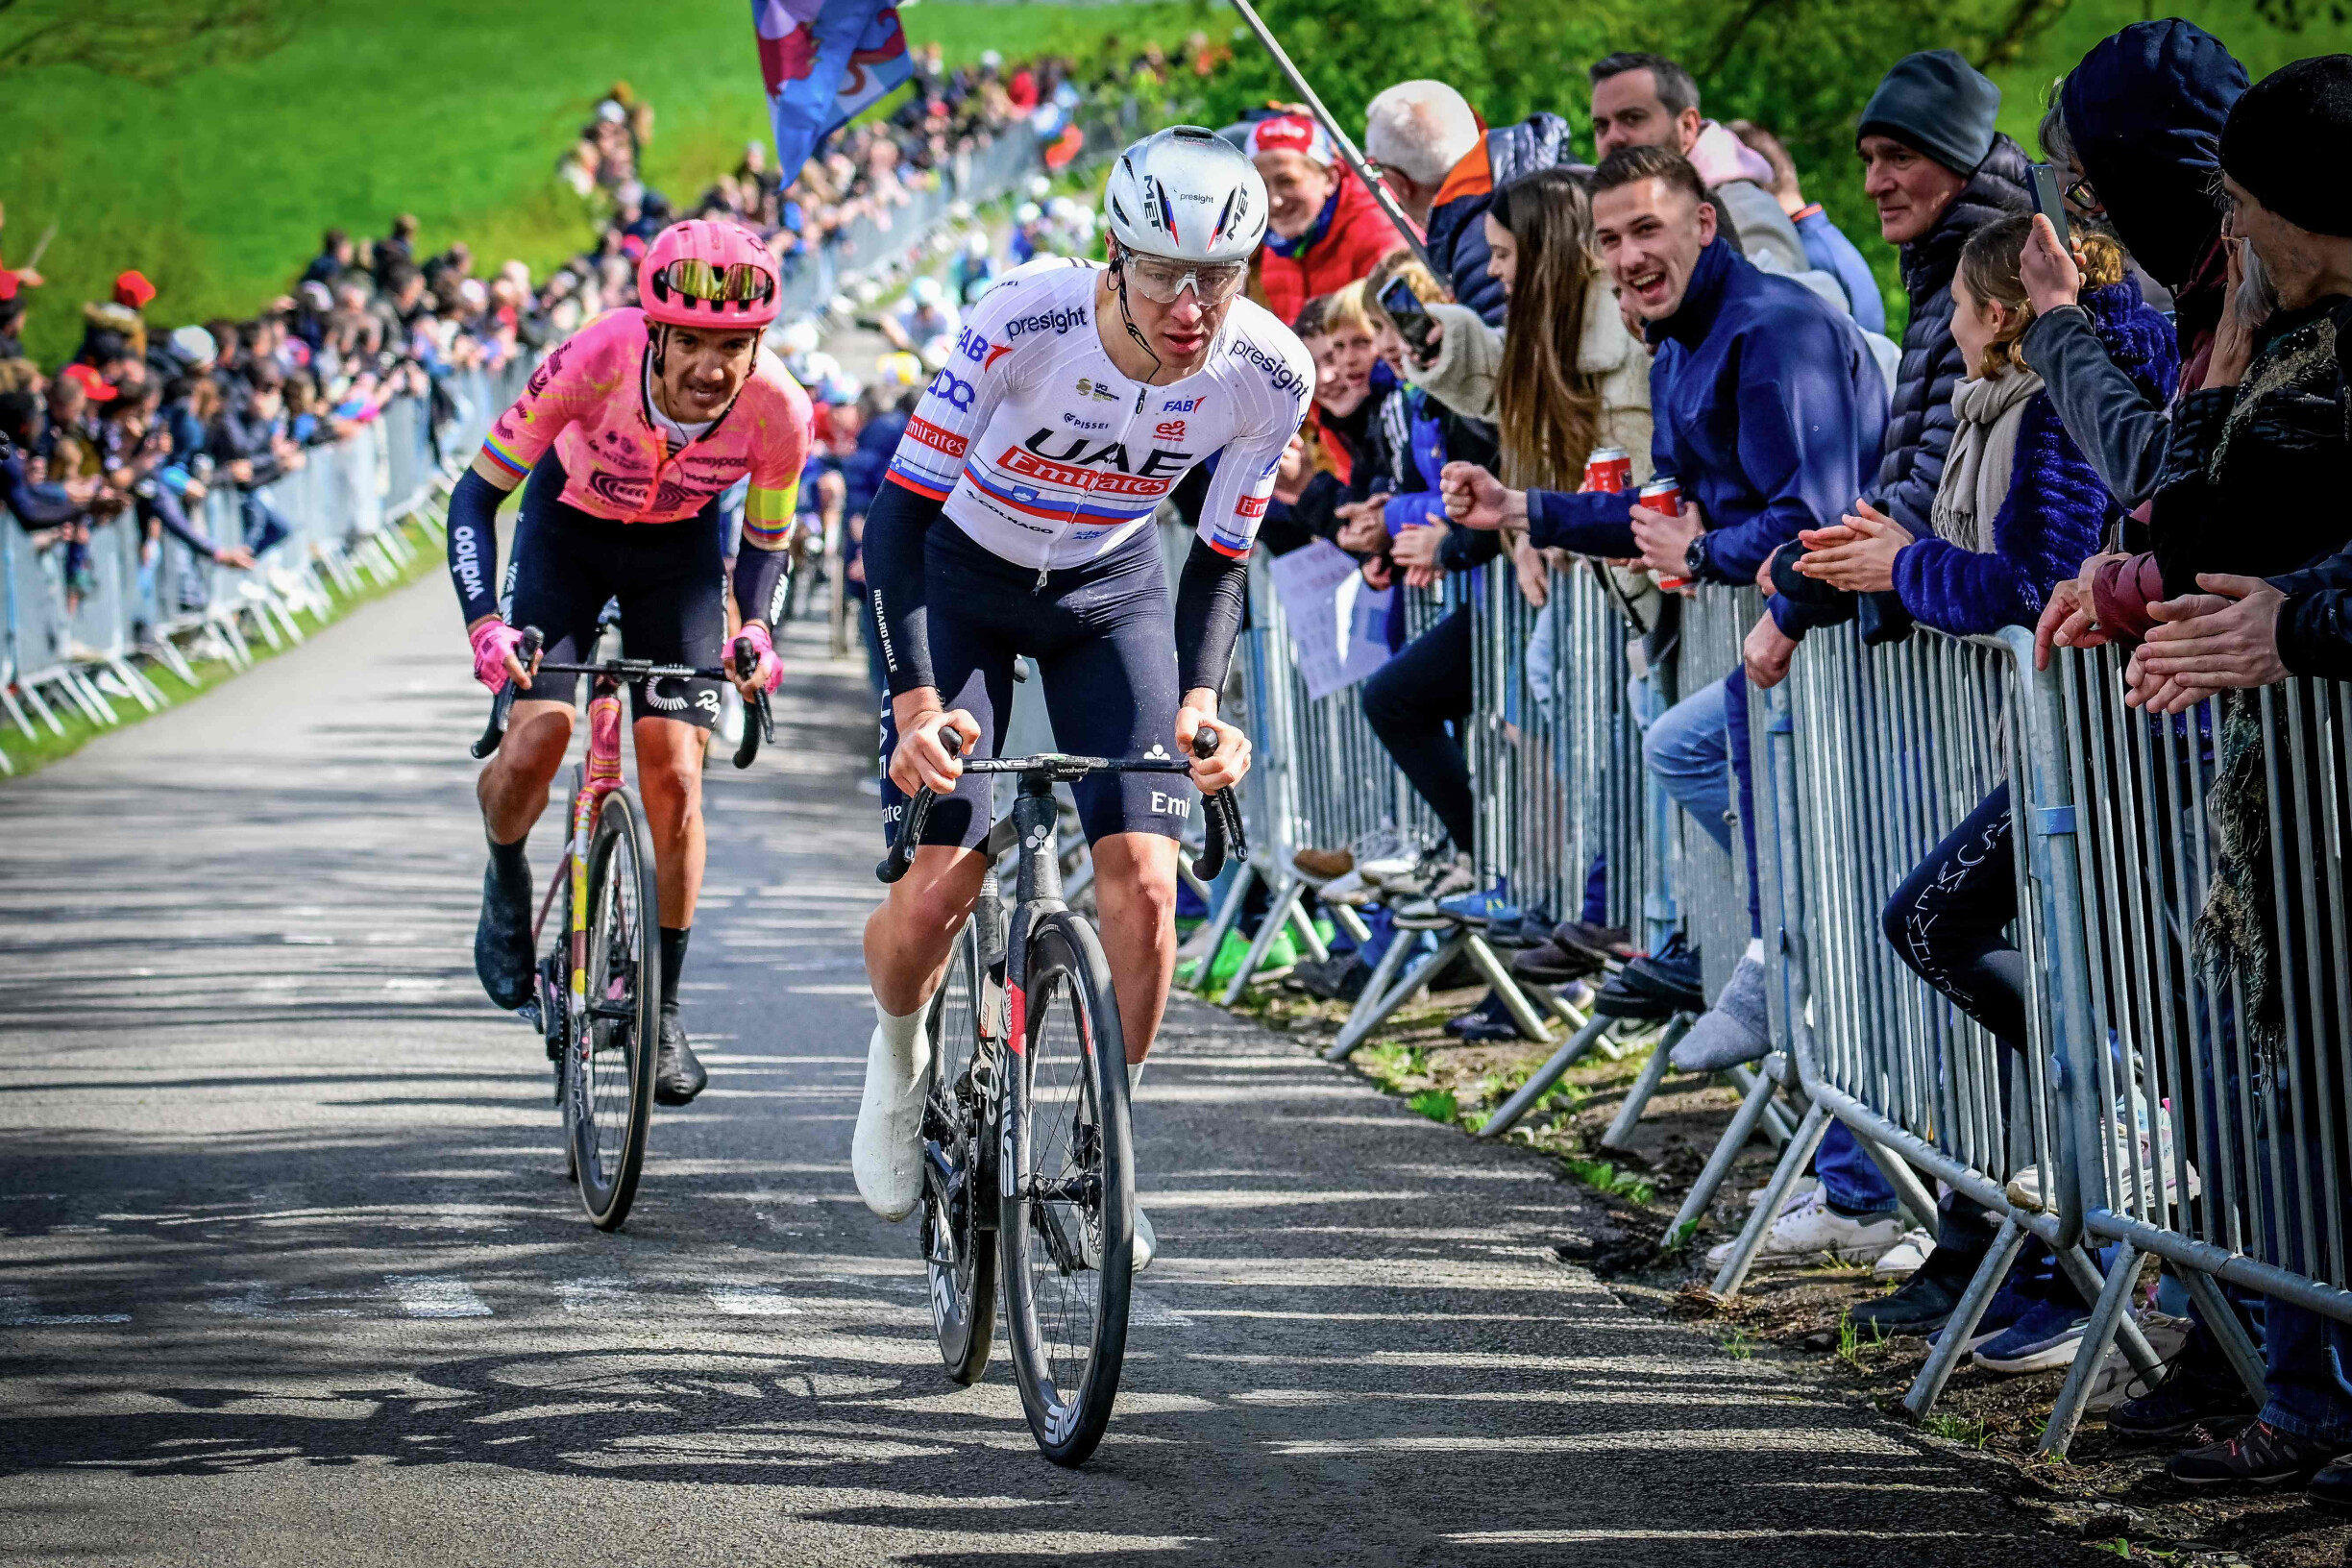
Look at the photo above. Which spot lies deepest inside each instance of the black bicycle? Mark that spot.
(1025, 1125)
(599, 1001)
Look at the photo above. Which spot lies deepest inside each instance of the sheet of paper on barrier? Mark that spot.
(1338, 623)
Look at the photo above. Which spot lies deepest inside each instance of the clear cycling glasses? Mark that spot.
(698, 280)
(1161, 282)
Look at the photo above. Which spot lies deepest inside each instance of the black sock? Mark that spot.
(511, 865)
(673, 959)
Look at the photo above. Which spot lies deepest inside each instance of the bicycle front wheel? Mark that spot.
(616, 1038)
(1066, 1233)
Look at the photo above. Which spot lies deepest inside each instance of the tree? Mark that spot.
(149, 42)
(1801, 67)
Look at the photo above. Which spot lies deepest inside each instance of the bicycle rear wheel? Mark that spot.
(1066, 1236)
(611, 1099)
(959, 1218)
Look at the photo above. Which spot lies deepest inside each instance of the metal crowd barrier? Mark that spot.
(2161, 1103)
(2216, 1127)
(1866, 759)
(1660, 867)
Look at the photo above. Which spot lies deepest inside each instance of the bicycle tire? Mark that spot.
(959, 1219)
(611, 1101)
(1072, 1064)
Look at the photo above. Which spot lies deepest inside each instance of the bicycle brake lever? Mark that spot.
(755, 717)
(503, 704)
(1225, 836)
(900, 857)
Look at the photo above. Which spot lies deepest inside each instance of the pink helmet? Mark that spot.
(709, 273)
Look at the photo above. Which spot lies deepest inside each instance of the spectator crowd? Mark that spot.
(144, 418)
(2130, 434)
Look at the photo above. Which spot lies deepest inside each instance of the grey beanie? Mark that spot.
(1936, 102)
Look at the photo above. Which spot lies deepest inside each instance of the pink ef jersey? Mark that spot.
(588, 400)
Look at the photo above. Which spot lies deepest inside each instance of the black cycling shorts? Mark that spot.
(1103, 638)
(668, 576)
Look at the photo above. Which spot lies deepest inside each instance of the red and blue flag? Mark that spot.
(824, 61)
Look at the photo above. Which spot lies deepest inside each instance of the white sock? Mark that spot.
(1756, 949)
(1135, 1076)
(905, 1033)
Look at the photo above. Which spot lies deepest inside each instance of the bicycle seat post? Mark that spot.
(1035, 821)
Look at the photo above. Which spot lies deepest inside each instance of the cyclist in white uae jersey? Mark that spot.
(1076, 397)
(1046, 453)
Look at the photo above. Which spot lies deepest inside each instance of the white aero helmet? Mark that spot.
(1187, 194)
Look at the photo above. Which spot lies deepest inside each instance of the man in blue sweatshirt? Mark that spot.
(1769, 408)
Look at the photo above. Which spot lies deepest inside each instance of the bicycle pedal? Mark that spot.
(529, 1013)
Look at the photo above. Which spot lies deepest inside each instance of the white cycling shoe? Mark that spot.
(886, 1151)
(1146, 1244)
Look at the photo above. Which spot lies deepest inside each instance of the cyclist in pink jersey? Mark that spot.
(630, 433)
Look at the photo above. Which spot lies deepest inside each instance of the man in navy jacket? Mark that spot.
(1768, 405)
(1769, 408)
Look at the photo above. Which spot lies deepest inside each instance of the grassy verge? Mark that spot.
(30, 756)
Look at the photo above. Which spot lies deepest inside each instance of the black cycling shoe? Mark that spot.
(2199, 1390)
(2260, 1455)
(502, 941)
(677, 1077)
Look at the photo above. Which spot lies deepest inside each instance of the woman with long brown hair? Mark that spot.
(1566, 376)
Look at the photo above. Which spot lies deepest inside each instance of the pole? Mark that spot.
(1340, 139)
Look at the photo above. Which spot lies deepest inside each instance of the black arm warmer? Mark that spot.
(762, 578)
(1209, 597)
(472, 545)
(896, 525)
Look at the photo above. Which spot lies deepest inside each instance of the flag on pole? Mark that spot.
(824, 62)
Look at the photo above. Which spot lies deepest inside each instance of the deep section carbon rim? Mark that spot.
(1066, 1190)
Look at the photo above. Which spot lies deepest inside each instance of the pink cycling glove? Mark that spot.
(771, 673)
(493, 641)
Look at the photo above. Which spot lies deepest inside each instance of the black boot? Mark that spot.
(678, 1076)
(502, 936)
(1925, 1301)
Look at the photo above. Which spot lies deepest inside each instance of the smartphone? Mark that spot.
(2050, 201)
(1414, 324)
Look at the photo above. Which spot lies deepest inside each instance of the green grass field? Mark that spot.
(217, 186)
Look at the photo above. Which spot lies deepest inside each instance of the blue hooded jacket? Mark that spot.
(1768, 406)
(2056, 510)
(1456, 238)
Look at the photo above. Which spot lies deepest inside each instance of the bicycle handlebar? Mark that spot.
(759, 722)
(1224, 812)
(502, 704)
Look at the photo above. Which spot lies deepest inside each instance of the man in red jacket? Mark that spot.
(1323, 227)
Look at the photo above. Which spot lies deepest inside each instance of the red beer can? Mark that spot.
(1608, 470)
(1664, 494)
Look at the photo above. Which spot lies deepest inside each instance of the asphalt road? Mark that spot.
(289, 1272)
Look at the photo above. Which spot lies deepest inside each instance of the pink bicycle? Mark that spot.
(599, 979)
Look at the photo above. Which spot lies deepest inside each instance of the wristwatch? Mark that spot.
(1695, 557)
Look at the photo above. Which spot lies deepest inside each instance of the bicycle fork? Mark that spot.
(1037, 890)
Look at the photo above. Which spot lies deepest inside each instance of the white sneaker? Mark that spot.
(886, 1151)
(1810, 1232)
(1798, 1188)
(1904, 1258)
(1351, 888)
